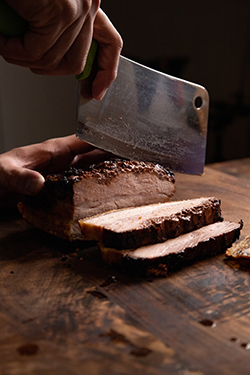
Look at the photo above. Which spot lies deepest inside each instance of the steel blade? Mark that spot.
(150, 116)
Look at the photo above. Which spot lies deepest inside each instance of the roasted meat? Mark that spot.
(76, 194)
(159, 258)
(137, 226)
(240, 250)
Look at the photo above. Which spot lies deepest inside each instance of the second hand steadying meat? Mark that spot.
(75, 194)
(68, 198)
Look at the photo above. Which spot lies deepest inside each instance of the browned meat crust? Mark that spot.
(107, 170)
(159, 259)
(240, 250)
(75, 194)
(134, 227)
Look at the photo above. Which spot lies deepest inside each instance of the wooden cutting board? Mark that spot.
(64, 312)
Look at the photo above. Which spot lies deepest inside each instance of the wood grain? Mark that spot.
(237, 168)
(54, 319)
(64, 312)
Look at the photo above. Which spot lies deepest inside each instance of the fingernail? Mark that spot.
(34, 185)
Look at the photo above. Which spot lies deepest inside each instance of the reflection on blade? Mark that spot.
(150, 116)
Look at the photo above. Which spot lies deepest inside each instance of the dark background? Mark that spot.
(206, 42)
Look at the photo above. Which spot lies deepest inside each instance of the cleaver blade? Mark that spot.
(147, 115)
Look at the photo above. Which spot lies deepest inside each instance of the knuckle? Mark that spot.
(71, 11)
(34, 55)
(77, 67)
(12, 181)
(86, 6)
(48, 63)
(97, 4)
(119, 42)
(52, 64)
(91, 5)
(113, 75)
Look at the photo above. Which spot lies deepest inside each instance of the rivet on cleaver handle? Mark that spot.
(150, 116)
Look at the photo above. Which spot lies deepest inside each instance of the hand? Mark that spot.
(109, 49)
(22, 169)
(59, 37)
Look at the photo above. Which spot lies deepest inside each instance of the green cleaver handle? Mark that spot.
(11, 24)
(89, 62)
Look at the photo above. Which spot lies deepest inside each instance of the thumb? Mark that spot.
(25, 181)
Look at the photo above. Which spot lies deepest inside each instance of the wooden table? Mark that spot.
(63, 312)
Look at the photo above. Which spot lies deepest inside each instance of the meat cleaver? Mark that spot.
(146, 115)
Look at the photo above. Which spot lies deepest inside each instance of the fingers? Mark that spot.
(20, 180)
(63, 151)
(20, 167)
(93, 157)
(110, 45)
(58, 39)
(59, 61)
(52, 156)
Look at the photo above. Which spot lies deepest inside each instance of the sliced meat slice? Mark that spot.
(240, 250)
(134, 227)
(159, 258)
(75, 194)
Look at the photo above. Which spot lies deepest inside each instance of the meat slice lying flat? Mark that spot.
(76, 194)
(159, 258)
(240, 250)
(134, 227)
